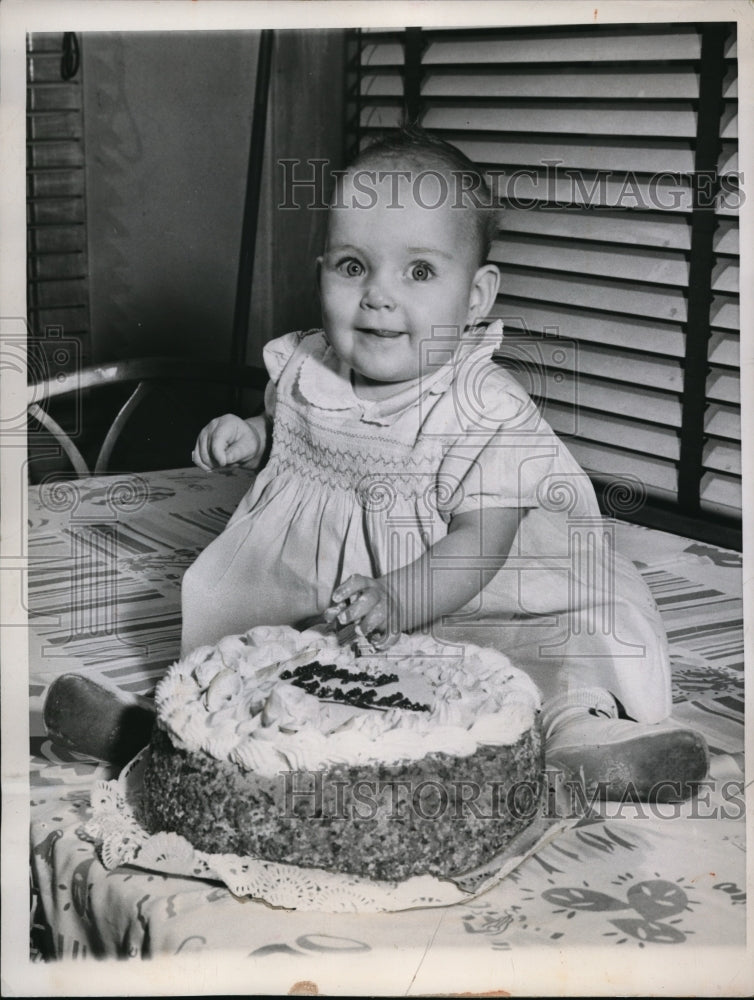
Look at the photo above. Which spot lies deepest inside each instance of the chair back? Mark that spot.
(147, 375)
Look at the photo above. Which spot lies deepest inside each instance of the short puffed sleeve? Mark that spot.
(276, 355)
(278, 352)
(502, 452)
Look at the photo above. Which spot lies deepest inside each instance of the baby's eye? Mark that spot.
(421, 271)
(351, 267)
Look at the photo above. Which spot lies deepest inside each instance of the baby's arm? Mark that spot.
(447, 576)
(229, 440)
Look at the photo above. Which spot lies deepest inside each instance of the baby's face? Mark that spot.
(388, 276)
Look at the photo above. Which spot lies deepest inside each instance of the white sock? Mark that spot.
(577, 698)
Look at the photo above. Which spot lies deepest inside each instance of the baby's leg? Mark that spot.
(565, 655)
(593, 663)
(617, 646)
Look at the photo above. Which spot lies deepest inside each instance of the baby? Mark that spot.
(411, 482)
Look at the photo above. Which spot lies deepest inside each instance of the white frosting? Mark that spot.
(231, 702)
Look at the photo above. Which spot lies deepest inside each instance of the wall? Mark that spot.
(167, 127)
(308, 96)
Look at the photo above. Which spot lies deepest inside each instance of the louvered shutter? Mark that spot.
(721, 480)
(591, 134)
(58, 295)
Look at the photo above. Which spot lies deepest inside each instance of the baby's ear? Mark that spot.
(318, 276)
(483, 293)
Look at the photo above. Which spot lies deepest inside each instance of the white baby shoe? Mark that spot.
(618, 759)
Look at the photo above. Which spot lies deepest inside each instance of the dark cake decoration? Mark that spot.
(310, 677)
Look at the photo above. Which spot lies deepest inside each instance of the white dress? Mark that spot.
(365, 487)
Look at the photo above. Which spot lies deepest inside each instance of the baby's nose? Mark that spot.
(377, 295)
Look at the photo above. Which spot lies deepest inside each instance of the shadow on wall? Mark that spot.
(167, 124)
(167, 119)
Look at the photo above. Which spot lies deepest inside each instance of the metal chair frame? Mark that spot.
(147, 373)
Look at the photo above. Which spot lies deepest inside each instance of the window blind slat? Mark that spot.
(44, 45)
(55, 97)
(728, 162)
(58, 183)
(724, 314)
(45, 69)
(600, 328)
(665, 373)
(722, 457)
(51, 125)
(529, 186)
(73, 319)
(583, 117)
(556, 48)
(730, 87)
(610, 154)
(381, 85)
(386, 53)
(729, 129)
(56, 239)
(600, 428)
(726, 236)
(594, 293)
(724, 387)
(53, 294)
(56, 154)
(727, 202)
(55, 211)
(725, 277)
(725, 349)
(381, 116)
(640, 403)
(52, 265)
(723, 421)
(605, 461)
(643, 229)
(632, 265)
(626, 83)
(720, 492)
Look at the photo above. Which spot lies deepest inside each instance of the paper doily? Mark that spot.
(121, 840)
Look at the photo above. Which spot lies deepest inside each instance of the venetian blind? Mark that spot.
(721, 479)
(57, 289)
(594, 139)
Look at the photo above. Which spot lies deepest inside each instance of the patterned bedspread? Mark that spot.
(106, 560)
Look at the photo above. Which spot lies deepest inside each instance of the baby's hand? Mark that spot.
(227, 440)
(371, 604)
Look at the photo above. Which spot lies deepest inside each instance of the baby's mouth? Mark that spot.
(379, 332)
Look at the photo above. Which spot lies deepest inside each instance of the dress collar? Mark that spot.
(325, 381)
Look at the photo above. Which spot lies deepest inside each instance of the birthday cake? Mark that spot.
(284, 746)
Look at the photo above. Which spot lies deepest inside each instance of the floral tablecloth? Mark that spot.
(106, 559)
